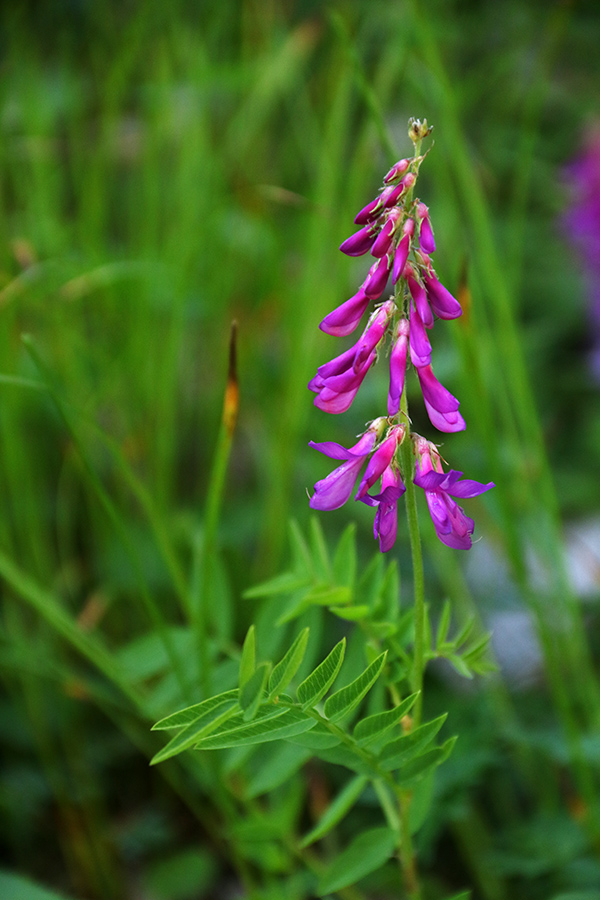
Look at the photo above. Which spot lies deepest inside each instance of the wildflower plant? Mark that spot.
(361, 709)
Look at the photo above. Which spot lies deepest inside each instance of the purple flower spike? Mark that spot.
(377, 278)
(420, 348)
(344, 319)
(380, 460)
(441, 405)
(368, 212)
(442, 302)
(333, 491)
(359, 243)
(452, 526)
(398, 368)
(426, 238)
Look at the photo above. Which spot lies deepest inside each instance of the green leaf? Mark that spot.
(192, 713)
(248, 657)
(347, 756)
(318, 738)
(286, 583)
(373, 727)
(346, 699)
(402, 750)
(344, 561)
(443, 625)
(300, 552)
(418, 767)
(366, 853)
(326, 595)
(336, 811)
(350, 613)
(369, 583)
(389, 593)
(188, 736)
(318, 682)
(320, 554)
(466, 895)
(285, 670)
(461, 667)
(253, 691)
(272, 726)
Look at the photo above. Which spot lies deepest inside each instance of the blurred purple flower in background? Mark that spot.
(582, 223)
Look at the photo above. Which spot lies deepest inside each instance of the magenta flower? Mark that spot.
(442, 302)
(333, 491)
(337, 382)
(403, 249)
(420, 347)
(376, 280)
(453, 527)
(359, 243)
(397, 170)
(426, 238)
(381, 459)
(384, 238)
(441, 405)
(419, 296)
(369, 212)
(398, 367)
(344, 319)
(385, 526)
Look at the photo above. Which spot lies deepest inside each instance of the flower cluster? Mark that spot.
(397, 231)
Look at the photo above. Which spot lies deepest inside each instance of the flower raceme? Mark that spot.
(396, 230)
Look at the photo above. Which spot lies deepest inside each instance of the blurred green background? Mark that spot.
(168, 168)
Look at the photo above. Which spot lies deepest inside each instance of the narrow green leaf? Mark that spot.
(302, 560)
(326, 595)
(248, 657)
(320, 553)
(188, 736)
(318, 738)
(369, 583)
(253, 691)
(336, 811)
(366, 853)
(286, 583)
(275, 725)
(443, 625)
(465, 632)
(399, 752)
(350, 613)
(476, 648)
(191, 714)
(466, 895)
(418, 767)
(460, 665)
(318, 682)
(346, 699)
(373, 727)
(344, 561)
(285, 670)
(389, 594)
